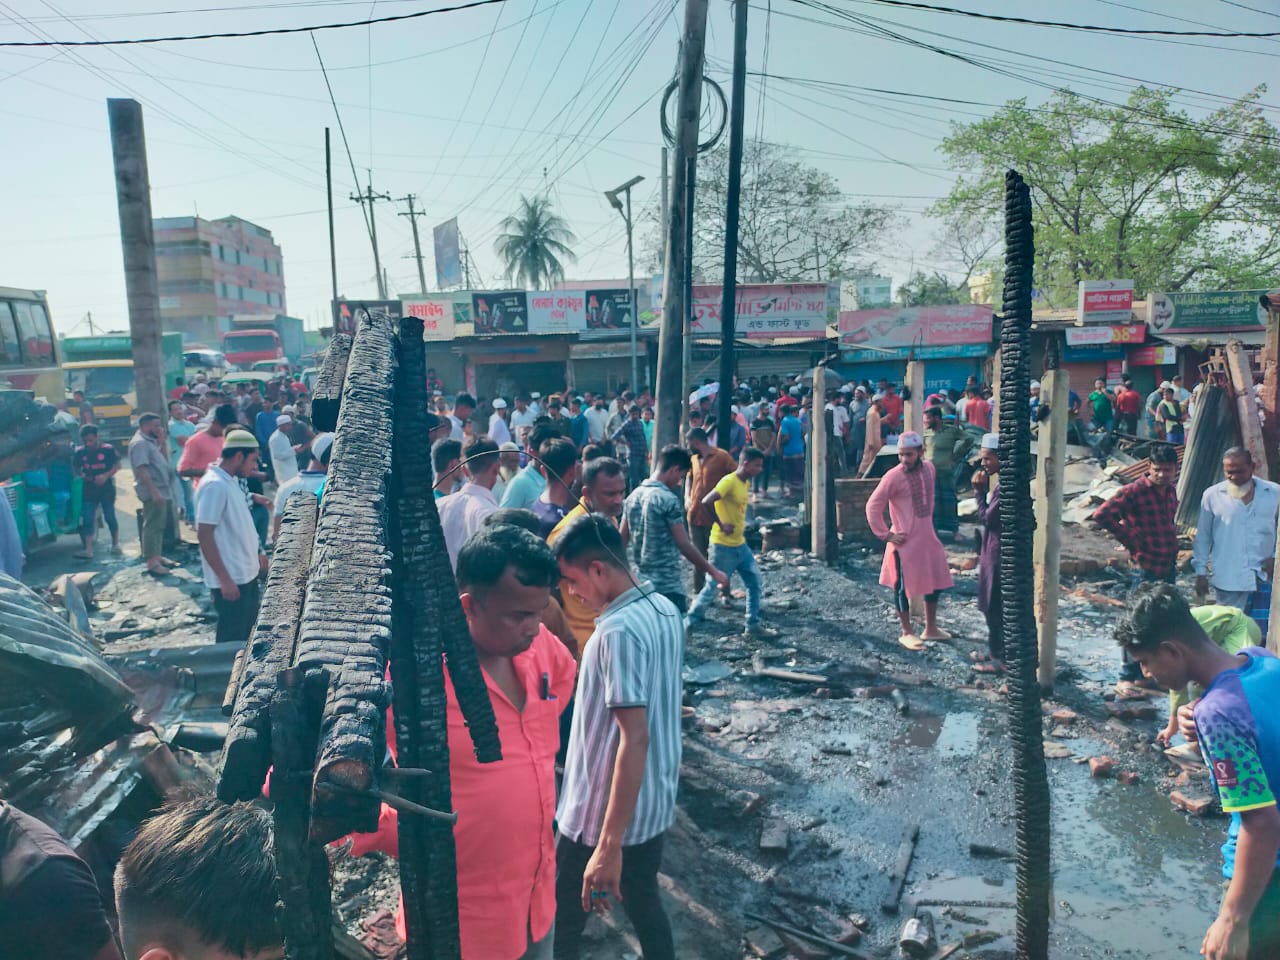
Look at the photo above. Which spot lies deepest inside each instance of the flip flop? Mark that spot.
(911, 642)
(938, 634)
(81, 555)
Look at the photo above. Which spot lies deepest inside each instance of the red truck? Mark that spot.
(245, 347)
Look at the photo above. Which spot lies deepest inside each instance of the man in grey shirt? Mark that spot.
(613, 815)
(1236, 535)
(152, 484)
(654, 527)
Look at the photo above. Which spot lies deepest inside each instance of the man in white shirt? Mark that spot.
(309, 479)
(464, 405)
(499, 432)
(597, 419)
(463, 513)
(284, 454)
(535, 404)
(522, 416)
(229, 554)
(1236, 534)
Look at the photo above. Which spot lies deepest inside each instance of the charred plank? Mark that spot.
(247, 753)
(346, 618)
(326, 399)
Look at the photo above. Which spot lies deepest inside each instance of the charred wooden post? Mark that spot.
(326, 399)
(426, 610)
(303, 867)
(247, 752)
(346, 619)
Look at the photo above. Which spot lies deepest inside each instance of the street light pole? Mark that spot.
(612, 197)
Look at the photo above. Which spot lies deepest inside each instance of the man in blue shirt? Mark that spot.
(579, 427)
(791, 446)
(1238, 729)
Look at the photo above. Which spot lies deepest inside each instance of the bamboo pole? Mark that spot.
(819, 418)
(1246, 407)
(913, 407)
(1050, 461)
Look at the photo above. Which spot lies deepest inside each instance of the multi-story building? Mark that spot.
(211, 270)
(873, 292)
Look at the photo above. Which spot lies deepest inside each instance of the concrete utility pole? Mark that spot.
(413, 216)
(137, 242)
(666, 204)
(728, 298)
(1051, 459)
(675, 306)
(913, 406)
(371, 198)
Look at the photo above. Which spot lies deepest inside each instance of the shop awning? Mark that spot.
(1202, 341)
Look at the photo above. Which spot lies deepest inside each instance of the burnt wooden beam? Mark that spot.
(346, 619)
(426, 609)
(246, 755)
(326, 399)
(301, 865)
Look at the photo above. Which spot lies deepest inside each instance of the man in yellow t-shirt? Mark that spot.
(604, 487)
(729, 551)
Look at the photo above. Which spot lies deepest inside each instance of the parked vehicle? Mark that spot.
(29, 354)
(250, 339)
(212, 363)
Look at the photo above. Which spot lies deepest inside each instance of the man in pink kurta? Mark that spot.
(915, 563)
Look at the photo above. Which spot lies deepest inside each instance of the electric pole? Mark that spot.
(413, 216)
(728, 301)
(675, 304)
(371, 198)
(137, 241)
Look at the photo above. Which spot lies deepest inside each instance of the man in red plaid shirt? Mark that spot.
(1141, 516)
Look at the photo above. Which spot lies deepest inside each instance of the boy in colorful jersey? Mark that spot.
(1238, 730)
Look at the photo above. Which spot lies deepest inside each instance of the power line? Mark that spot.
(276, 31)
(1006, 72)
(355, 177)
(1063, 25)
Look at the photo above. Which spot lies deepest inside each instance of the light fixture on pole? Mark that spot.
(612, 197)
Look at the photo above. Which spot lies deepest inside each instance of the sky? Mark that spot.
(470, 110)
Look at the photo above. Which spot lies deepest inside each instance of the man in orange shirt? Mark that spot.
(506, 861)
(604, 487)
(710, 466)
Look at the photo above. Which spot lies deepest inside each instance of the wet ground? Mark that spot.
(838, 778)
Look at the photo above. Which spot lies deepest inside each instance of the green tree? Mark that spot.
(927, 290)
(1139, 191)
(534, 244)
(794, 226)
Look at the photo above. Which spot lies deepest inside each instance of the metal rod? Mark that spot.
(328, 185)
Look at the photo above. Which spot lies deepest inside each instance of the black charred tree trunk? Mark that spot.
(1031, 785)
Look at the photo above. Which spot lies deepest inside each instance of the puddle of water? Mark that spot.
(955, 735)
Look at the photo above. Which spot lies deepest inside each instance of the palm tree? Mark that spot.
(534, 244)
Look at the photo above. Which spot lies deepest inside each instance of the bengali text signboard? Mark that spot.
(1099, 335)
(436, 314)
(1219, 312)
(767, 310)
(1105, 301)
(557, 311)
(895, 330)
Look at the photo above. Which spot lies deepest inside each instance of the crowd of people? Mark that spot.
(583, 558)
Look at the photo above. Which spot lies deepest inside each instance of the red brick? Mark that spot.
(1132, 710)
(1196, 806)
(1063, 715)
(1129, 777)
(1101, 766)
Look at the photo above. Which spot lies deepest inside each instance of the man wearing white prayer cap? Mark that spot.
(986, 487)
(915, 563)
(499, 430)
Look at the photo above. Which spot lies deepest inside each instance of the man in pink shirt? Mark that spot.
(205, 446)
(506, 848)
(915, 562)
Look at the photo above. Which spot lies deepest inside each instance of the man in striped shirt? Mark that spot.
(613, 817)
